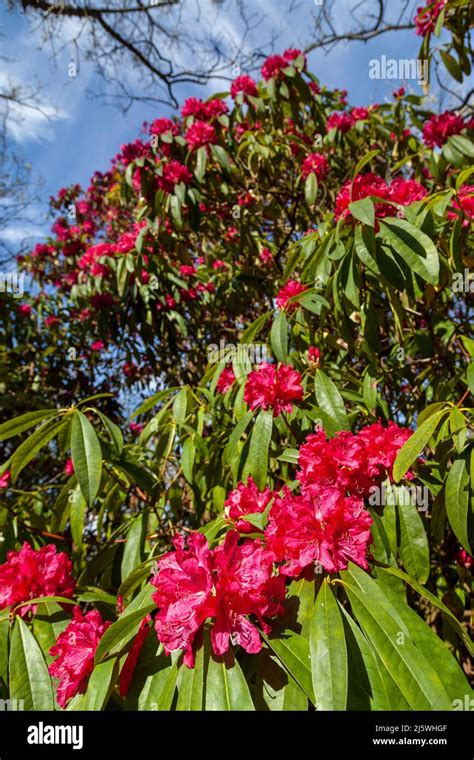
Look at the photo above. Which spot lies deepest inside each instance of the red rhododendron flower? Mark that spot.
(438, 128)
(173, 173)
(226, 584)
(315, 163)
(244, 84)
(352, 463)
(273, 66)
(162, 126)
(5, 479)
(359, 114)
(330, 528)
(192, 107)
(341, 121)
(314, 354)
(266, 256)
(75, 649)
(290, 290)
(52, 320)
(226, 380)
(97, 345)
(200, 133)
(271, 388)
(464, 202)
(427, 16)
(363, 186)
(69, 468)
(405, 192)
(246, 499)
(464, 559)
(291, 54)
(29, 573)
(24, 309)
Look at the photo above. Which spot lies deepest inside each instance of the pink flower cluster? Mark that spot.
(227, 584)
(328, 522)
(75, 649)
(30, 574)
(274, 65)
(438, 129)
(401, 191)
(315, 163)
(290, 290)
(427, 16)
(271, 387)
(244, 500)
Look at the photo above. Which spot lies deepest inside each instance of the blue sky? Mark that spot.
(84, 133)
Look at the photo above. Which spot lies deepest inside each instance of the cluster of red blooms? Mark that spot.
(271, 387)
(464, 203)
(226, 584)
(402, 192)
(438, 128)
(427, 16)
(275, 64)
(29, 574)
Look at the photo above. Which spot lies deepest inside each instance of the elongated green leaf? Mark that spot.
(116, 638)
(416, 248)
(153, 401)
(257, 462)
(364, 211)
(423, 591)
(29, 678)
(330, 400)
(413, 546)
(201, 163)
(86, 456)
(235, 436)
(132, 555)
(413, 447)
(24, 422)
(457, 501)
(226, 687)
(279, 337)
(310, 188)
(385, 630)
(191, 684)
(77, 515)
(328, 652)
(100, 685)
(29, 448)
(114, 432)
(294, 654)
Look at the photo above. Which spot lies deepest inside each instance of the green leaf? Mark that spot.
(24, 422)
(310, 188)
(386, 632)
(413, 546)
(328, 652)
(29, 448)
(132, 555)
(413, 447)
(114, 432)
(294, 654)
(423, 591)
(179, 406)
(191, 684)
(201, 163)
(116, 638)
(457, 501)
(29, 677)
(363, 211)
(86, 456)
(330, 400)
(257, 462)
(279, 337)
(415, 248)
(77, 514)
(226, 687)
(364, 161)
(100, 685)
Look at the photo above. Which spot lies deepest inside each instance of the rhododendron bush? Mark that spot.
(237, 466)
